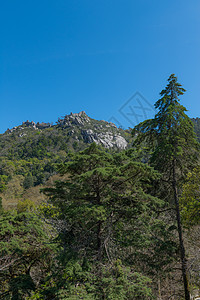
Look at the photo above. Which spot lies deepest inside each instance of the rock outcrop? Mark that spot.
(79, 128)
(74, 119)
(106, 139)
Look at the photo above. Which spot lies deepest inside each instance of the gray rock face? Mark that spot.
(101, 132)
(120, 142)
(74, 119)
(106, 139)
(29, 124)
(22, 134)
(43, 125)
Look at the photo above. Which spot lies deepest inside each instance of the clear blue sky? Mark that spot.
(62, 56)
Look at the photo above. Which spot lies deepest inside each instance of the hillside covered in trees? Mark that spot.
(30, 153)
(91, 211)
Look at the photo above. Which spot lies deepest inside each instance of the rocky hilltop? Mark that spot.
(71, 132)
(31, 152)
(100, 132)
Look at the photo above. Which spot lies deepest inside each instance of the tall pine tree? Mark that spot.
(172, 141)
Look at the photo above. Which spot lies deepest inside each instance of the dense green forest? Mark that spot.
(90, 211)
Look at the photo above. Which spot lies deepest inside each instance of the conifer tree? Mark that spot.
(105, 216)
(172, 141)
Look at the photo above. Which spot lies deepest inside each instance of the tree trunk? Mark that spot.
(181, 244)
(159, 290)
(99, 228)
(99, 241)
